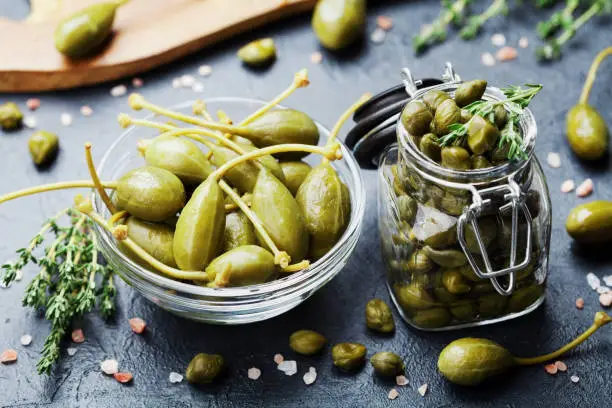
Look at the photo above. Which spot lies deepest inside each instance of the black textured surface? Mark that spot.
(337, 309)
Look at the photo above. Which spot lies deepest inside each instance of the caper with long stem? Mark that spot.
(470, 361)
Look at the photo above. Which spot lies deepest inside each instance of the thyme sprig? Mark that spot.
(452, 12)
(70, 281)
(552, 50)
(517, 98)
(475, 23)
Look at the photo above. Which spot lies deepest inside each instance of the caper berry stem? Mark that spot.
(331, 152)
(55, 186)
(281, 258)
(590, 79)
(96, 180)
(300, 80)
(601, 319)
(144, 255)
(344, 117)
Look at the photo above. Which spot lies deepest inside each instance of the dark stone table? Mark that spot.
(337, 309)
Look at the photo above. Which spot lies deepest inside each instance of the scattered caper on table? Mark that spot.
(43, 147)
(349, 356)
(339, 23)
(591, 222)
(83, 33)
(587, 132)
(204, 368)
(387, 364)
(379, 317)
(11, 117)
(307, 342)
(258, 52)
(470, 361)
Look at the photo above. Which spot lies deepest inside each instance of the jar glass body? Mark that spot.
(421, 205)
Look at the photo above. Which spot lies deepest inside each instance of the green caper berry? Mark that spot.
(349, 356)
(307, 342)
(204, 368)
(387, 364)
(10, 116)
(258, 53)
(43, 147)
(379, 316)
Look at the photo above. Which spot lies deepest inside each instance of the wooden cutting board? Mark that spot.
(148, 33)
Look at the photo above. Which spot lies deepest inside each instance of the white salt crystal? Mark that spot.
(109, 367)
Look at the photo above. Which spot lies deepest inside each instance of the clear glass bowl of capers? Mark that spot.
(466, 239)
(226, 305)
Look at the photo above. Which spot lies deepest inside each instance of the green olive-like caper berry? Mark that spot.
(349, 356)
(454, 282)
(387, 364)
(43, 147)
(500, 116)
(379, 317)
(307, 342)
(434, 98)
(469, 92)
(430, 147)
(482, 135)
(338, 23)
(480, 162)
(447, 114)
(204, 368)
(258, 52)
(10, 116)
(457, 158)
(416, 118)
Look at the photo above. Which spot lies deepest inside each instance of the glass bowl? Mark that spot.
(227, 305)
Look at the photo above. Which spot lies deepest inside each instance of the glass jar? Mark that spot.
(463, 248)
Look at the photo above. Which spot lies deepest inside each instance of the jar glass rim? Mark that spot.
(527, 127)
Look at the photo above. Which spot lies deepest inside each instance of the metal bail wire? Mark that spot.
(516, 202)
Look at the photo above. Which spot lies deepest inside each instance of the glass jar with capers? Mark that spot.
(464, 210)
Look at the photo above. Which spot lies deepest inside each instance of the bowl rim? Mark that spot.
(292, 281)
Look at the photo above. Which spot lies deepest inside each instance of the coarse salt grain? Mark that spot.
(498, 40)
(574, 379)
(378, 36)
(118, 90)
(553, 160)
(608, 280)
(393, 394)
(8, 356)
(109, 367)
(71, 351)
(523, 42)
(593, 280)
(278, 358)
(605, 299)
(123, 378)
(77, 336)
(585, 189)
(401, 380)
(175, 378)
(33, 104)
(205, 70)
(487, 59)
(289, 367)
(66, 119)
(316, 57)
(551, 369)
(137, 82)
(506, 54)
(187, 81)
(198, 87)
(18, 275)
(137, 325)
(254, 373)
(580, 303)
(423, 390)
(86, 110)
(384, 22)
(30, 122)
(310, 376)
(602, 289)
(568, 186)
(561, 366)
(26, 340)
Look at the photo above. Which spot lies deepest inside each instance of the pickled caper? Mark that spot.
(434, 98)
(258, 53)
(454, 282)
(455, 157)
(204, 368)
(416, 118)
(379, 316)
(307, 342)
(387, 364)
(349, 356)
(430, 147)
(447, 114)
(470, 91)
(432, 318)
(43, 147)
(10, 116)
